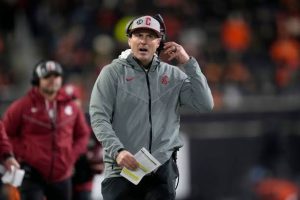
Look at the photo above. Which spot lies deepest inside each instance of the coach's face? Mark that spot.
(143, 44)
(49, 85)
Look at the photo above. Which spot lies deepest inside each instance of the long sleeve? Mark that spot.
(12, 120)
(195, 91)
(102, 102)
(5, 146)
(81, 136)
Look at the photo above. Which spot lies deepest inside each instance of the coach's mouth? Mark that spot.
(143, 50)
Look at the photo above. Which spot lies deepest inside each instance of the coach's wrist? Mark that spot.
(118, 152)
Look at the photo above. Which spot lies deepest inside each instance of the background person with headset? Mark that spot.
(135, 103)
(48, 132)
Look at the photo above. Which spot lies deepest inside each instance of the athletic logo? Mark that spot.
(140, 21)
(148, 21)
(68, 110)
(50, 66)
(164, 80)
(33, 109)
(129, 78)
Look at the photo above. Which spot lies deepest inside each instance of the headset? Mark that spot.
(35, 80)
(163, 30)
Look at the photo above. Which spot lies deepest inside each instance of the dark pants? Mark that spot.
(82, 195)
(32, 190)
(156, 186)
(34, 187)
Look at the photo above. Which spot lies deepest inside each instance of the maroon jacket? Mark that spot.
(5, 146)
(50, 147)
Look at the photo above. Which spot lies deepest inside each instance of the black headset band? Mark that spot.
(35, 77)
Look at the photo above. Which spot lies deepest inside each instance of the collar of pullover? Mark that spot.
(137, 66)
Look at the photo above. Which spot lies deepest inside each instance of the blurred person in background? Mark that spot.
(48, 132)
(7, 160)
(88, 164)
(235, 33)
(135, 103)
(6, 151)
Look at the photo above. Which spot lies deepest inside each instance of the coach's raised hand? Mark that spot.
(176, 51)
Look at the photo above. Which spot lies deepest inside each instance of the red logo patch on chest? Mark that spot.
(129, 78)
(164, 80)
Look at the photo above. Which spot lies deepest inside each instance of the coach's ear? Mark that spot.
(159, 44)
(129, 42)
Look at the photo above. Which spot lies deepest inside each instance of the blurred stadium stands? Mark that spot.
(248, 50)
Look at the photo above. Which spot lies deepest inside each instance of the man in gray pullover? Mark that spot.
(135, 103)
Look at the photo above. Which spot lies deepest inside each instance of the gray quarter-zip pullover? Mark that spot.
(132, 108)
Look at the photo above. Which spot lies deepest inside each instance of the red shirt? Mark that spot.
(50, 145)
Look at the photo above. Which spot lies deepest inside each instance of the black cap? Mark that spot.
(47, 68)
(44, 69)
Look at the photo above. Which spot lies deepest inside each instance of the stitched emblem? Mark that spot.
(129, 78)
(164, 80)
